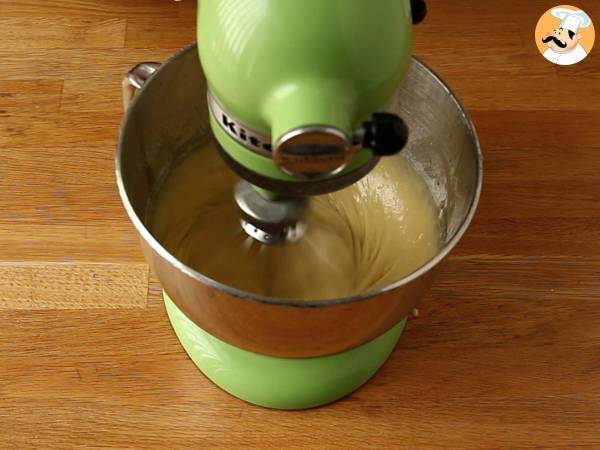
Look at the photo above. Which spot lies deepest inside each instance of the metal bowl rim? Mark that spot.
(164, 253)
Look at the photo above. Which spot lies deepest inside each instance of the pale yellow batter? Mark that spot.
(358, 239)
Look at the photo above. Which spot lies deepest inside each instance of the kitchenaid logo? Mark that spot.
(241, 133)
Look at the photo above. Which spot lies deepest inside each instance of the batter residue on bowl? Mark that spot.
(359, 239)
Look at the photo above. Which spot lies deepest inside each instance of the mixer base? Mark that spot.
(281, 383)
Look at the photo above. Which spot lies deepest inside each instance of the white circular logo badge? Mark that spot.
(565, 35)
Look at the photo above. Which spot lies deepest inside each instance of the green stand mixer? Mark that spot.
(301, 99)
(294, 88)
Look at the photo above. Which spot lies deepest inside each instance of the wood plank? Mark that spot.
(447, 35)
(479, 11)
(510, 73)
(31, 286)
(106, 93)
(156, 389)
(537, 128)
(37, 96)
(77, 187)
(515, 93)
(533, 236)
(88, 8)
(91, 242)
(551, 163)
(108, 334)
(80, 130)
(508, 60)
(73, 63)
(537, 199)
(59, 32)
(187, 11)
(144, 33)
(511, 301)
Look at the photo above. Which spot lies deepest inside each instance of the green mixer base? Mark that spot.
(282, 383)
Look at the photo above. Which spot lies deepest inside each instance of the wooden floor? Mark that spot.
(506, 352)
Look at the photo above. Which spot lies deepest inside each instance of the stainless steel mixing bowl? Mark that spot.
(169, 117)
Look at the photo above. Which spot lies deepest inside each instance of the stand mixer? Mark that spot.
(299, 98)
(294, 90)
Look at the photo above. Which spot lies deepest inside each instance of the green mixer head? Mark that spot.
(294, 93)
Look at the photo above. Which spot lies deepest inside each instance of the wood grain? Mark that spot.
(41, 96)
(505, 352)
(78, 188)
(144, 33)
(62, 33)
(73, 63)
(84, 9)
(94, 242)
(32, 286)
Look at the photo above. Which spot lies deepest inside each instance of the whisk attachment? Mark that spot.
(269, 221)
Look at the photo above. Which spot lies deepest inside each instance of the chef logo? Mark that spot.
(564, 35)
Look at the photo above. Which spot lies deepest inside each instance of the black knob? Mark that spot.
(385, 134)
(419, 10)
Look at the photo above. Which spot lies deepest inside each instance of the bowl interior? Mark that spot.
(169, 118)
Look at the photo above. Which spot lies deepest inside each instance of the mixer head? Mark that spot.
(272, 217)
(292, 107)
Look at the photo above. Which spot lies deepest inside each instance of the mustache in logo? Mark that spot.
(556, 41)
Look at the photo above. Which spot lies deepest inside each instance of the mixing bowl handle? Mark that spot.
(135, 79)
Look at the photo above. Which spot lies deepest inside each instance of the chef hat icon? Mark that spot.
(571, 19)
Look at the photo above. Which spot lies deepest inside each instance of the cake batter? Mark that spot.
(356, 240)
